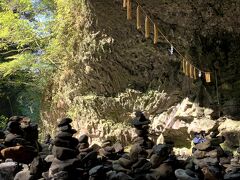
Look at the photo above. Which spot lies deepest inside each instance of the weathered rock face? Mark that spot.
(179, 121)
(230, 129)
(112, 70)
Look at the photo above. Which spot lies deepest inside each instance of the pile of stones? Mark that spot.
(83, 146)
(73, 158)
(132, 165)
(205, 162)
(163, 162)
(107, 150)
(15, 146)
(136, 165)
(65, 163)
(233, 169)
(141, 125)
(208, 154)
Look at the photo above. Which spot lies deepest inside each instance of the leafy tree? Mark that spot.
(24, 34)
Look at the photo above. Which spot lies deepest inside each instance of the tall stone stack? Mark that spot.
(65, 163)
(141, 125)
(207, 156)
(83, 146)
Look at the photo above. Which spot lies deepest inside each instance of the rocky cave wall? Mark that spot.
(114, 70)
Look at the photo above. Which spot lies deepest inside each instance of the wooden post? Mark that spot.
(147, 27)
(124, 3)
(186, 67)
(208, 77)
(194, 73)
(183, 66)
(191, 70)
(155, 41)
(129, 9)
(138, 18)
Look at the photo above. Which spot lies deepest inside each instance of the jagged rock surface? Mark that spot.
(114, 70)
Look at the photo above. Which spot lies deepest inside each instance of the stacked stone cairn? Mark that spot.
(163, 162)
(89, 159)
(141, 125)
(132, 165)
(83, 146)
(205, 163)
(65, 163)
(207, 156)
(111, 151)
(15, 149)
(15, 146)
(75, 159)
(233, 169)
(136, 164)
(107, 151)
(87, 163)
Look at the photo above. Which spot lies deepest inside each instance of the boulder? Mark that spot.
(230, 129)
(23, 175)
(181, 174)
(20, 154)
(117, 167)
(66, 165)
(202, 124)
(205, 162)
(203, 146)
(83, 138)
(164, 171)
(126, 163)
(63, 153)
(232, 176)
(7, 170)
(199, 154)
(156, 160)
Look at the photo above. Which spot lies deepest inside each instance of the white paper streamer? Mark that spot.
(199, 74)
(171, 49)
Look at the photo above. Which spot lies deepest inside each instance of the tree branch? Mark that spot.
(16, 50)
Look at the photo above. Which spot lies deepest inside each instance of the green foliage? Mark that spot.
(20, 62)
(36, 38)
(15, 28)
(24, 34)
(68, 30)
(28, 103)
(25, 30)
(3, 121)
(16, 5)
